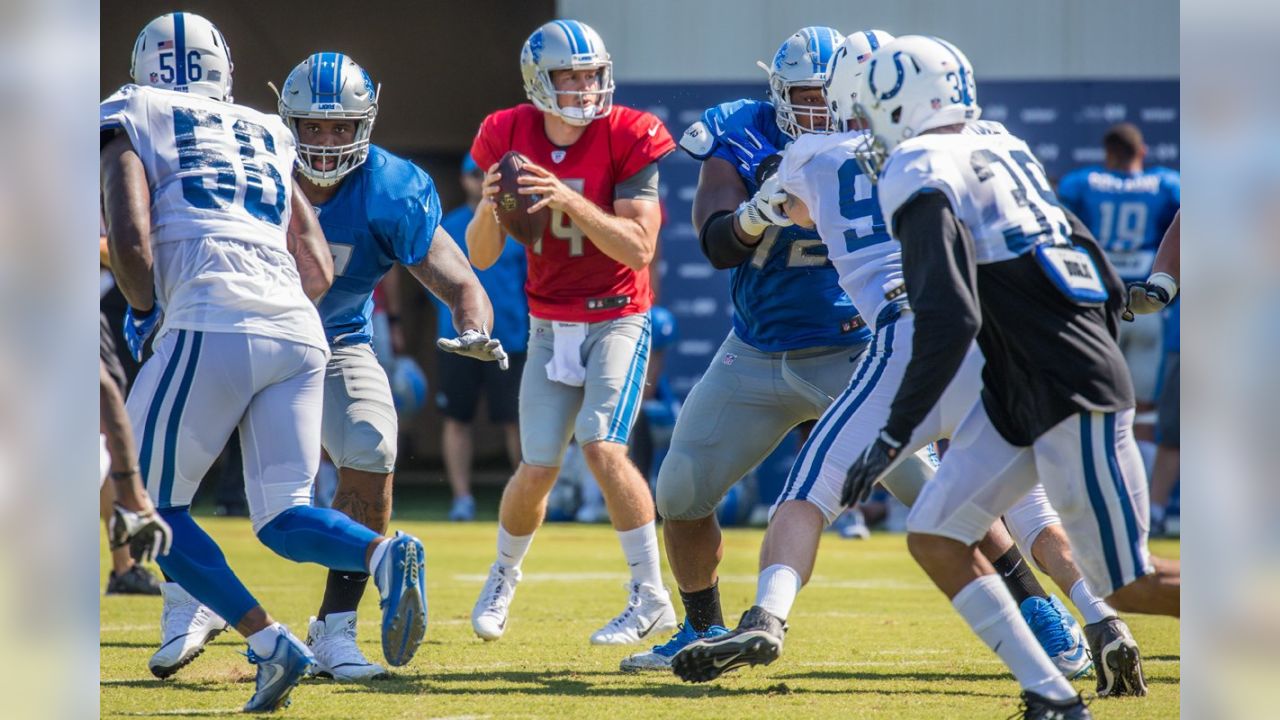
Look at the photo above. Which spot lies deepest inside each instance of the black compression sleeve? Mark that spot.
(941, 280)
(721, 244)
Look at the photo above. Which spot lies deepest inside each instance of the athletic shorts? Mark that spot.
(744, 405)
(199, 386)
(616, 356)
(1092, 473)
(107, 353)
(360, 428)
(1141, 341)
(1169, 406)
(463, 379)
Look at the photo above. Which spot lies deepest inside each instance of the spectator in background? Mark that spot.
(461, 379)
(1128, 207)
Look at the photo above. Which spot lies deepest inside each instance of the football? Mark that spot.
(513, 208)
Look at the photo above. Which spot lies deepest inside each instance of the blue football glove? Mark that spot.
(138, 326)
(750, 153)
(867, 469)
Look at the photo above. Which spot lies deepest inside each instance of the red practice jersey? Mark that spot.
(569, 278)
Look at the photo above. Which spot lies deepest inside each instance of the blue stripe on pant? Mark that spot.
(153, 412)
(169, 458)
(624, 414)
(1099, 504)
(1132, 542)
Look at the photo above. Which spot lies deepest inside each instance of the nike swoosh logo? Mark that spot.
(996, 649)
(647, 630)
(1013, 570)
(276, 672)
(654, 130)
(719, 664)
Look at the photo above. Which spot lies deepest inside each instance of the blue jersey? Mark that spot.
(386, 211)
(787, 296)
(504, 283)
(1127, 212)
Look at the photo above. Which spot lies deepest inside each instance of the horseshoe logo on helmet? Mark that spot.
(897, 86)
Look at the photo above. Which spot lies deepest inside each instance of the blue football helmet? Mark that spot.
(665, 329)
(408, 386)
(801, 62)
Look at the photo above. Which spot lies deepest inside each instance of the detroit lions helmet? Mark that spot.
(801, 62)
(566, 45)
(182, 51)
(911, 85)
(847, 64)
(330, 86)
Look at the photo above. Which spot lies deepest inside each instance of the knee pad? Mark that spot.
(319, 535)
(1028, 518)
(680, 495)
(907, 479)
(367, 448)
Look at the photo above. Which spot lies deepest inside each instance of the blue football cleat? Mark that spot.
(401, 580)
(1059, 634)
(279, 674)
(659, 658)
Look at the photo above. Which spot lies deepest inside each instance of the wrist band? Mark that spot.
(125, 474)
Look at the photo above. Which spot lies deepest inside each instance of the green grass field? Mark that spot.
(869, 636)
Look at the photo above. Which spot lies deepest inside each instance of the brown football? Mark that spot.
(513, 208)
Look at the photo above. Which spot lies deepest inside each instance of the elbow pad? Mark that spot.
(721, 244)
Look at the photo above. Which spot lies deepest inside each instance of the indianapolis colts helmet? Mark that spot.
(330, 86)
(566, 45)
(182, 51)
(847, 64)
(801, 62)
(911, 85)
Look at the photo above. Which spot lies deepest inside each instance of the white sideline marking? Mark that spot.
(820, 581)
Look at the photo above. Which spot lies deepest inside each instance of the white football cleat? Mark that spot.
(648, 611)
(333, 642)
(489, 616)
(186, 627)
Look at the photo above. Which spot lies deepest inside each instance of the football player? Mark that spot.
(1128, 207)
(820, 176)
(133, 524)
(989, 254)
(207, 231)
(376, 210)
(594, 165)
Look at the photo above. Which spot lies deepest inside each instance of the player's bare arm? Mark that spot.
(1169, 256)
(114, 423)
(308, 247)
(797, 211)
(127, 208)
(446, 273)
(629, 236)
(484, 235)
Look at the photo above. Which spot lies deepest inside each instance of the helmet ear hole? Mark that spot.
(896, 115)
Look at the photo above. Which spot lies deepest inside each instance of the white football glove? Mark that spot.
(476, 344)
(764, 208)
(1151, 296)
(146, 533)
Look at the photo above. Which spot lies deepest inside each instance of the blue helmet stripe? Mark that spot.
(572, 35)
(965, 97)
(824, 46)
(579, 37)
(337, 72)
(871, 39)
(313, 78)
(180, 46)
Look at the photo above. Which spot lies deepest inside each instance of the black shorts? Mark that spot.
(107, 353)
(461, 381)
(1169, 403)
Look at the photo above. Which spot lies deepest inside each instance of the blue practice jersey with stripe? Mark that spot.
(787, 296)
(386, 211)
(1127, 212)
(503, 282)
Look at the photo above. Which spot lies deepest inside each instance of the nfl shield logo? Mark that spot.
(155, 78)
(557, 156)
(729, 358)
(936, 103)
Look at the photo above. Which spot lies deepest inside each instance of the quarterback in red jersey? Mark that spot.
(594, 165)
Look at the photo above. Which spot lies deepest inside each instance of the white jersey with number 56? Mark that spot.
(823, 172)
(996, 187)
(220, 179)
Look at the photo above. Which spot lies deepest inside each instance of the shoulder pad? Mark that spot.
(697, 140)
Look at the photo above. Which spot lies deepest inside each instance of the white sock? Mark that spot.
(989, 609)
(640, 547)
(263, 642)
(1093, 608)
(376, 556)
(776, 589)
(512, 548)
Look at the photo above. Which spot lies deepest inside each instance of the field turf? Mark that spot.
(869, 637)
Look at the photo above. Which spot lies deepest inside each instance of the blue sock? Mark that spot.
(319, 535)
(197, 564)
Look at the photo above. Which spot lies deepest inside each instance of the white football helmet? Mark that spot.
(330, 86)
(846, 67)
(911, 85)
(801, 61)
(567, 45)
(182, 51)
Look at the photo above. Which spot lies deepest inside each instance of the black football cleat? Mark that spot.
(1116, 658)
(756, 641)
(137, 580)
(1039, 707)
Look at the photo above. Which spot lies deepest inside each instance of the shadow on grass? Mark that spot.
(573, 683)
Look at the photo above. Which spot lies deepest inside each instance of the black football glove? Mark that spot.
(868, 468)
